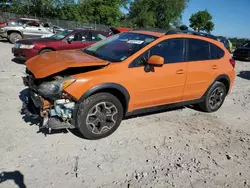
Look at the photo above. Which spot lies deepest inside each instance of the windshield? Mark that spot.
(119, 47)
(61, 35)
(247, 45)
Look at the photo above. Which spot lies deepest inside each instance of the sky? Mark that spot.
(231, 17)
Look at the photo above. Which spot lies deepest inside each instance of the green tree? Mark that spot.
(103, 11)
(202, 20)
(156, 13)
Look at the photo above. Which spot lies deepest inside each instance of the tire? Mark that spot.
(99, 116)
(14, 37)
(45, 51)
(217, 93)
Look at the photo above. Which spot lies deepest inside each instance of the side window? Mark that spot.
(216, 52)
(198, 50)
(33, 24)
(97, 36)
(80, 36)
(172, 50)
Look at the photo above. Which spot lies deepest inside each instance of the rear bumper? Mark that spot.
(24, 54)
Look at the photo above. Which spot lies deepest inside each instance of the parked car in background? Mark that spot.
(116, 30)
(17, 21)
(55, 29)
(66, 40)
(227, 43)
(93, 89)
(31, 29)
(242, 52)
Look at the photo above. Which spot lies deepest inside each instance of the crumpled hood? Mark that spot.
(53, 62)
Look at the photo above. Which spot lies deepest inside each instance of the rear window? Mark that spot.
(216, 52)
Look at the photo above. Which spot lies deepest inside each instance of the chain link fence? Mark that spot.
(4, 16)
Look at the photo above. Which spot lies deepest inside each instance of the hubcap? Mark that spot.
(16, 37)
(101, 117)
(216, 98)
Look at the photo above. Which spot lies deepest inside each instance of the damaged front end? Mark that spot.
(47, 99)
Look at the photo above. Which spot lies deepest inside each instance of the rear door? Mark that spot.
(97, 36)
(200, 73)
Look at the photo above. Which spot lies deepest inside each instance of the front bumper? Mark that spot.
(3, 35)
(52, 115)
(24, 54)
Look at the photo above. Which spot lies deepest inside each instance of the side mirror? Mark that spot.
(156, 61)
(24, 26)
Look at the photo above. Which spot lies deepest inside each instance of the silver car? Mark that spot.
(32, 29)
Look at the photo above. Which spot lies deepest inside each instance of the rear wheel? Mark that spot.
(99, 116)
(45, 51)
(14, 37)
(214, 98)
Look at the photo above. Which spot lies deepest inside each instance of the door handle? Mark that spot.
(214, 66)
(39, 29)
(181, 71)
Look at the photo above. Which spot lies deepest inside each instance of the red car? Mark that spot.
(66, 40)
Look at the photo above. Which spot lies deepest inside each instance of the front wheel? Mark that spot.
(214, 97)
(99, 116)
(14, 37)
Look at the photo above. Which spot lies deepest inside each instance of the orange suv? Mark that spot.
(93, 89)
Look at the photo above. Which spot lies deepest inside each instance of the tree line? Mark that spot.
(162, 14)
(127, 13)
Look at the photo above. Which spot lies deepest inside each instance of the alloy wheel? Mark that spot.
(102, 117)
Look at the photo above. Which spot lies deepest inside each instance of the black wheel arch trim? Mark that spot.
(98, 88)
(222, 76)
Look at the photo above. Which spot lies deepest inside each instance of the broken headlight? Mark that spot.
(54, 88)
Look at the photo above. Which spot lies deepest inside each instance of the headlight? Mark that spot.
(53, 89)
(26, 46)
(2, 29)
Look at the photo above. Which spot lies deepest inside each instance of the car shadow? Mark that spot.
(18, 61)
(4, 40)
(244, 75)
(15, 176)
(31, 115)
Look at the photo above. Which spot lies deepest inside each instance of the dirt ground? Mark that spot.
(179, 148)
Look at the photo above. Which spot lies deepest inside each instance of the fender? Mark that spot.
(99, 88)
(104, 86)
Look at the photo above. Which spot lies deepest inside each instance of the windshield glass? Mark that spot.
(119, 47)
(247, 45)
(61, 35)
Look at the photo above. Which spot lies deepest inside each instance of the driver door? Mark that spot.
(162, 85)
(32, 30)
(77, 40)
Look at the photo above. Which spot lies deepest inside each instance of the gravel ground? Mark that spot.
(180, 148)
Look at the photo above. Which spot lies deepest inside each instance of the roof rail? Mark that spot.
(191, 33)
(151, 29)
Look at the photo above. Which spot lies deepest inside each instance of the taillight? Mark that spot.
(232, 61)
